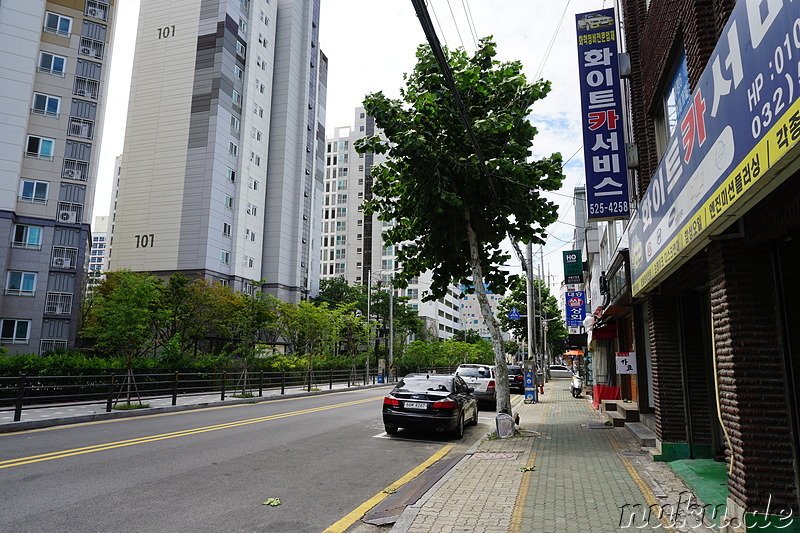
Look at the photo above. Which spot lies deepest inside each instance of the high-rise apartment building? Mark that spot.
(54, 57)
(352, 243)
(222, 169)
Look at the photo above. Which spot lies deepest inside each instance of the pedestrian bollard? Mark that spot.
(505, 425)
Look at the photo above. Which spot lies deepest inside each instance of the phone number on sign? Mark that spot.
(609, 208)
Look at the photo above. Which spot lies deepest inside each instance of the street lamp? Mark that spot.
(390, 280)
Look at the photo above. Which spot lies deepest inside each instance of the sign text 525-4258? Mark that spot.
(608, 208)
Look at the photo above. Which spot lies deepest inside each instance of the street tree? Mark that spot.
(451, 208)
(545, 306)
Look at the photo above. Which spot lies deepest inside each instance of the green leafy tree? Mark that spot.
(470, 336)
(451, 208)
(336, 291)
(517, 298)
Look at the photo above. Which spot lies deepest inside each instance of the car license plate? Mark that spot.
(416, 405)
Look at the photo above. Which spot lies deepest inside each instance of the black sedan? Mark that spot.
(430, 401)
(516, 378)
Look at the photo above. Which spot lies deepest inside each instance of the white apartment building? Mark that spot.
(54, 64)
(472, 318)
(352, 243)
(222, 167)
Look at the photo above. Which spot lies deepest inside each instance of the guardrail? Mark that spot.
(29, 392)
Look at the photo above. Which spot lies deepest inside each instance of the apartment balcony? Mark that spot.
(75, 170)
(97, 10)
(63, 257)
(86, 88)
(58, 303)
(80, 127)
(91, 48)
(51, 345)
(69, 213)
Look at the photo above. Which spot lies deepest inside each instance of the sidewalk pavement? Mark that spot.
(565, 472)
(58, 415)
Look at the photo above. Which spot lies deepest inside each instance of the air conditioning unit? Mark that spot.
(62, 262)
(70, 217)
(72, 173)
(85, 50)
(57, 310)
(93, 12)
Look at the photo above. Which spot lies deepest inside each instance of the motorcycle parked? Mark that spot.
(576, 386)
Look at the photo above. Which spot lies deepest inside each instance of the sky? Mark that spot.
(370, 44)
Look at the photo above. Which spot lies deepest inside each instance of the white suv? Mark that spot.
(481, 378)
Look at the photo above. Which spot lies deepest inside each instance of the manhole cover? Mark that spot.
(487, 456)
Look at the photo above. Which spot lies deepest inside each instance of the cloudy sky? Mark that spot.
(371, 43)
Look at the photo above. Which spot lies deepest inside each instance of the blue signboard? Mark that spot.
(513, 314)
(741, 119)
(601, 104)
(576, 308)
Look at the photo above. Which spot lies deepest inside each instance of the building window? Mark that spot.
(386, 264)
(341, 254)
(21, 283)
(341, 185)
(229, 201)
(240, 48)
(15, 331)
(235, 124)
(257, 160)
(226, 229)
(341, 240)
(27, 237)
(40, 147)
(341, 212)
(233, 148)
(231, 175)
(250, 262)
(237, 98)
(52, 64)
(253, 236)
(33, 191)
(254, 183)
(341, 198)
(59, 24)
(238, 72)
(44, 104)
(341, 226)
(675, 99)
(242, 26)
(225, 257)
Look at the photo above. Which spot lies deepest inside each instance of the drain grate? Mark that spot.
(495, 456)
(633, 454)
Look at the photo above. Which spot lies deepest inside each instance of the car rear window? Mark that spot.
(425, 385)
(474, 372)
(515, 371)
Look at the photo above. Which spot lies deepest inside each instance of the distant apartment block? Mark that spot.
(54, 58)
(222, 170)
(352, 243)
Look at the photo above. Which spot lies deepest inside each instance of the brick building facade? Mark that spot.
(719, 321)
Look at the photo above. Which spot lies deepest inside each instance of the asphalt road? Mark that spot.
(211, 469)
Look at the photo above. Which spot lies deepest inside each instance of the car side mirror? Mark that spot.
(470, 389)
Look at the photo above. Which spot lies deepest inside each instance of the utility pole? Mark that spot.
(369, 322)
(391, 329)
(531, 315)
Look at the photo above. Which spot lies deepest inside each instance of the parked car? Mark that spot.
(516, 378)
(591, 21)
(560, 371)
(431, 401)
(481, 378)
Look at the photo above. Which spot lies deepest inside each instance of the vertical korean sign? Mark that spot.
(601, 117)
(576, 308)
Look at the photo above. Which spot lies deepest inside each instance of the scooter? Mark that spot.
(576, 386)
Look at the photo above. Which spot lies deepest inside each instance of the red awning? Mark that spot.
(605, 332)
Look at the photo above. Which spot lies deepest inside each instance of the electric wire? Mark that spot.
(552, 42)
(470, 22)
(455, 23)
(438, 24)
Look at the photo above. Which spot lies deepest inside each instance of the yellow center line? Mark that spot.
(358, 512)
(183, 433)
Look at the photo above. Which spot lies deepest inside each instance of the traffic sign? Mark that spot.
(513, 314)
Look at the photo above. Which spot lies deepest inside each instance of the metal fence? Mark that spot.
(30, 392)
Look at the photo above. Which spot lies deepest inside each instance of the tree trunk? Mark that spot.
(501, 381)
